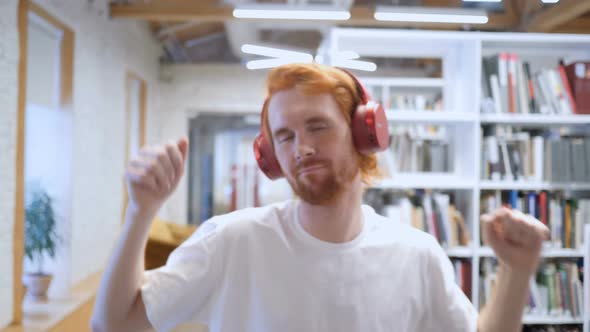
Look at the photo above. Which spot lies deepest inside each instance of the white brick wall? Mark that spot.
(191, 89)
(8, 104)
(104, 51)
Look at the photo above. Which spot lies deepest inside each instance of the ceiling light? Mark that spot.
(431, 15)
(270, 63)
(482, 0)
(355, 64)
(275, 52)
(550, 1)
(349, 55)
(282, 12)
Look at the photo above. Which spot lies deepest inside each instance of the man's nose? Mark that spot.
(304, 150)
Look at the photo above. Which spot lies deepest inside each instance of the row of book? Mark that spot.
(565, 217)
(555, 291)
(414, 102)
(395, 100)
(417, 149)
(431, 212)
(520, 156)
(511, 86)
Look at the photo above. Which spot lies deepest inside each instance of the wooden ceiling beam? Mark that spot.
(360, 16)
(562, 12)
(363, 16)
(578, 25)
(191, 30)
(169, 13)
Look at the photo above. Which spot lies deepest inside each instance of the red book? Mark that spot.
(578, 74)
(434, 225)
(568, 89)
(513, 58)
(466, 278)
(543, 207)
(531, 86)
(234, 188)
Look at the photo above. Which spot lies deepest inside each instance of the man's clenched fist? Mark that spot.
(154, 174)
(516, 238)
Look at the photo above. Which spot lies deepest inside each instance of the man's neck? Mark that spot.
(339, 221)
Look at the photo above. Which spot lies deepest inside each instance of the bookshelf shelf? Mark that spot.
(426, 181)
(460, 252)
(553, 320)
(404, 82)
(546, 253)
(524, 185)
(535, 119)
(442, 117)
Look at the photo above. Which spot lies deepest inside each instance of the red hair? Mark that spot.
(311, 79)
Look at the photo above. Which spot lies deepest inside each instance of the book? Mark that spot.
(578, 75)
(531, 88)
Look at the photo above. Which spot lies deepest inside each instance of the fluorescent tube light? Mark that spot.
(349, 55)
(270, 63)
(482, 0)
(275, 52)
(281, 12)
(355, 64)
(431, 15)
(550, 1)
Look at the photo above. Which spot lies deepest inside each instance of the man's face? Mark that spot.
(313, 143)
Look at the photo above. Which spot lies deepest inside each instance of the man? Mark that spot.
(323, 262)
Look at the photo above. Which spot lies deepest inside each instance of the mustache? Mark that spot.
(310, 163)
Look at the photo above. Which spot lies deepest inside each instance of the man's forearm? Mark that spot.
(123, 276)
(504, 310)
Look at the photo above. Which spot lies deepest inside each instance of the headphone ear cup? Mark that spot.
(265, 158)
(370, 129)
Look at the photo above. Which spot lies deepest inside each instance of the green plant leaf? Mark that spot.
(40, 234)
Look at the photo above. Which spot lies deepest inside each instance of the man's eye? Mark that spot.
(285, 139)
(318, 128)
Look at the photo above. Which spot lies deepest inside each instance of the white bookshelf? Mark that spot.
(460, 252)
(431, 181)
(461, 55)
(434, 117)
(532, 185)
(412, 82)
(535, 119)
(553, 320)
(545, 253)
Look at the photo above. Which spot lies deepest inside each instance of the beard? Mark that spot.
(323, 186)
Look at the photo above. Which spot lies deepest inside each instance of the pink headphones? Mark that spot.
(370, 132)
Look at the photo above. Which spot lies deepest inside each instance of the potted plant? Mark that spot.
(41, 238)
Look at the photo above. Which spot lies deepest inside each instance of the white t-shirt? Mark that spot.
(258, 270)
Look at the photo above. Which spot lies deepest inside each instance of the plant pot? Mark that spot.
(37, 285)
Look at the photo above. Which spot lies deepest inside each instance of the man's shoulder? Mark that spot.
(401, 235)
(244, 221)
